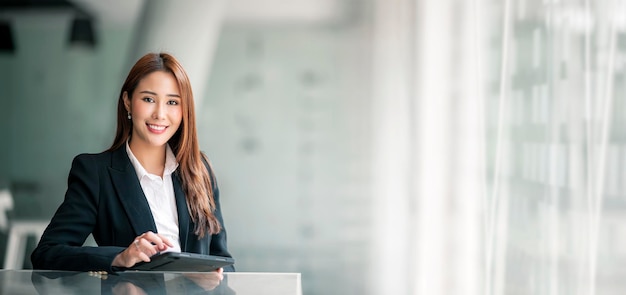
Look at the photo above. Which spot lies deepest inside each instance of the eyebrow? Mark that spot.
(154, 93)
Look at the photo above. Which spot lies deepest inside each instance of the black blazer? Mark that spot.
(104, 198)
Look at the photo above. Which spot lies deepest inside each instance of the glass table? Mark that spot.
(139, 282)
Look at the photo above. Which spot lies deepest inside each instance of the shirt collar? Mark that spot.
(170, 162)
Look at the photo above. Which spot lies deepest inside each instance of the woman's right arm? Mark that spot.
(60, 247)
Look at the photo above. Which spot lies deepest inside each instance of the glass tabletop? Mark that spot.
(140, 282)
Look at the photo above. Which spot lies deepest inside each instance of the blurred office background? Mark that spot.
(375, 146)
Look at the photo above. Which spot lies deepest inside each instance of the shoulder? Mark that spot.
(209, 167)
(106, 158)
(97, 157)
(207, 163)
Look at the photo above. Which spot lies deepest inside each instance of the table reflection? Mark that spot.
(135, 282)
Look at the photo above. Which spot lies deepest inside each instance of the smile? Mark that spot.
(156, 128)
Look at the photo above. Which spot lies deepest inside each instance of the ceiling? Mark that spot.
(123, 12)
(113, 11)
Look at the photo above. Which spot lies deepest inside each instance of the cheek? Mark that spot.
(138, 108)
(177, 116)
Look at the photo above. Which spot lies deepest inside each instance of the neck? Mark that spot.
(151, 158)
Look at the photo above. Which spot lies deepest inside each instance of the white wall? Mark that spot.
(286, 124)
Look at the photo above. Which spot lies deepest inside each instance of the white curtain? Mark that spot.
(500, 147)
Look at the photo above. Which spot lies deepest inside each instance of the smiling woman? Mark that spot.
(156, 114)
(152, 191)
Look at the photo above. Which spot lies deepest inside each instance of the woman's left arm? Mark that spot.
(219, 244)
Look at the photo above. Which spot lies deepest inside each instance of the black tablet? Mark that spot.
(176, 261)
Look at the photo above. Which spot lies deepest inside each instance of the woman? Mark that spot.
(151, 191)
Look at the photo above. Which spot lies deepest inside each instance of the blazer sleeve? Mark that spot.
(60, 247)
(218, 244)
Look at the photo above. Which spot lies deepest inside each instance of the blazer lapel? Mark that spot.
(130, 193)
(183, 213)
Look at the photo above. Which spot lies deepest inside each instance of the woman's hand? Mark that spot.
(144, 246)
(127, 288)
(206, 280)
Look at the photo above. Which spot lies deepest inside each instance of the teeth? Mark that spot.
(155, 127)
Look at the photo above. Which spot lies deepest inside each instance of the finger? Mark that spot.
(162, 248)
(134, 253)
(152, 237)
(143, 257)
(153, 240)
(157, 239)
(135, 244)
(166, 240)
(216, 274)
(145, 246)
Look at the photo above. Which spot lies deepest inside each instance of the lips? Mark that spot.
(158, 129)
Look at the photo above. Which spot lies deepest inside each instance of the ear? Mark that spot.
(126, 101)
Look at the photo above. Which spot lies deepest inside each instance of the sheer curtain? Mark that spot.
(554, 143)
(515, 146)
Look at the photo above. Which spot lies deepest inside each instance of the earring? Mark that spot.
(129, 117)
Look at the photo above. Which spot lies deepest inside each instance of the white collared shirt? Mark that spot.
(160, 195)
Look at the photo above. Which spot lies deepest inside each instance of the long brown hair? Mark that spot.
(196, 181)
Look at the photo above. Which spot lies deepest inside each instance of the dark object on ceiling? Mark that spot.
(6, 37)
(6, 5)
(81, 31)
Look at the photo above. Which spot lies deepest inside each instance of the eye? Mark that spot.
(172, 102)
(148, 99)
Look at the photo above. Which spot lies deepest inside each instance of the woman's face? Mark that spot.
(155, 109)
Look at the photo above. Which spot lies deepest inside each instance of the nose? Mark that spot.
(159, 111)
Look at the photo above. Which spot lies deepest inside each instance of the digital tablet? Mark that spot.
(176, 261)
